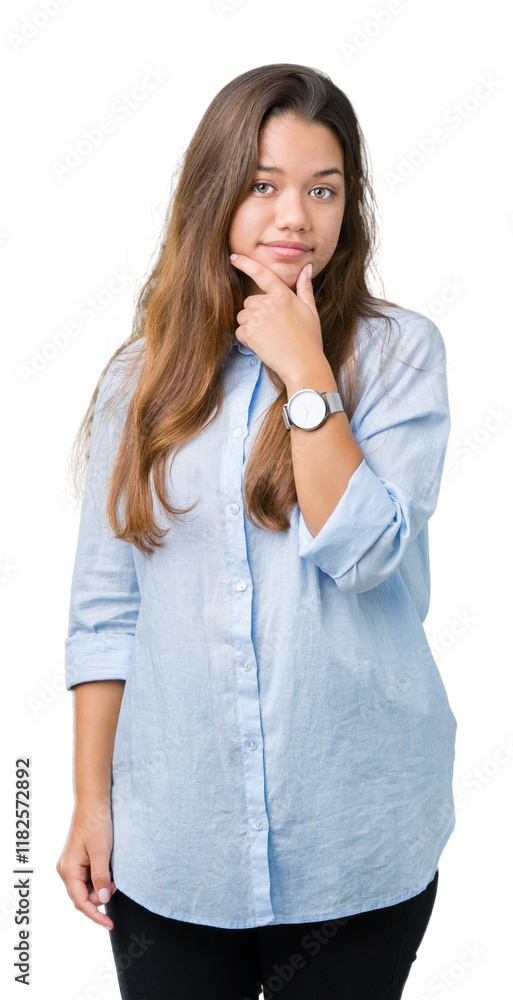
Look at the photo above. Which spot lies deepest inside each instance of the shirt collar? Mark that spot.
(242, 348)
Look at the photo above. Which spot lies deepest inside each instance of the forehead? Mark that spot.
(288, 142)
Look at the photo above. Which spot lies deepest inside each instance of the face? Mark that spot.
(292, 201)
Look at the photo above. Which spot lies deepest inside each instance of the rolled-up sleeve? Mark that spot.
(402, 425)
(105, 598)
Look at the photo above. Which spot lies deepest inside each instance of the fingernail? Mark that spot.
(309, 269)
(233, 256)
(103, 895)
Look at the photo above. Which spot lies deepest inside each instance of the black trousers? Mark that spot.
(366, 956)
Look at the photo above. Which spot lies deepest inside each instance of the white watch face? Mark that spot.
(307, 409)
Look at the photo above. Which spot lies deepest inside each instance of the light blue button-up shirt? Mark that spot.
(284, 749)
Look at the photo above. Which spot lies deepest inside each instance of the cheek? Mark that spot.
(248, 222)
(328, 244)
(238, 230)
(237, 223)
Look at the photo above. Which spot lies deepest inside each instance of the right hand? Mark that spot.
(84, 864)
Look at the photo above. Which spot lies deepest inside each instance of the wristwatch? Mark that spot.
(308, 408)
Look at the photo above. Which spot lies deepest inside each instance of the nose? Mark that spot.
(292, 213)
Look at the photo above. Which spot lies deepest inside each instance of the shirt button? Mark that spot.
(258, 824)
(246, 665)
(241, 585)
(234, 507)
(252, 745)
(237, 432)
(253, 361)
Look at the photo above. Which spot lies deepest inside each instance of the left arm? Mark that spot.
(323, 459)
(403, 431)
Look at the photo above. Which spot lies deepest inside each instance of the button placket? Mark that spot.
(246, 678)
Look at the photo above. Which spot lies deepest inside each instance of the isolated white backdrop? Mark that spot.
(412, 68)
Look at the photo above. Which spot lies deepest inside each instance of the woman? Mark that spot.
(263, 743)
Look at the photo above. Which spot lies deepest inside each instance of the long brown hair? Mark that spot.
(186, 311)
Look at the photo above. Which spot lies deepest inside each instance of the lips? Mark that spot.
(293, 245)
(286, 249)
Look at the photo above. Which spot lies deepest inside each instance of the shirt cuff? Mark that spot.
(97, 656)
(363, 512)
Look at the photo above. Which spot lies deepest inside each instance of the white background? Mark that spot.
(446, 234)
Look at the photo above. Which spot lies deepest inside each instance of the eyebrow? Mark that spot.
(320, 173)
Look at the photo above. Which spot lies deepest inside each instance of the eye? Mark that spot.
(323, 189)
(267, 184)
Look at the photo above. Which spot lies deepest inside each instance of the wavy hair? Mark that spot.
(185, 313)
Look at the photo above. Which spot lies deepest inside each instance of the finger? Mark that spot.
(100, 874)
(93, 895)
(70, 872)
(262, 275)
(304, 287)
(80, 896)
